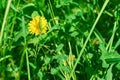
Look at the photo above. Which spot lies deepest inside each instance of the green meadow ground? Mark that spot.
(82, 41)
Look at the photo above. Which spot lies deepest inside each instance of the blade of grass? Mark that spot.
(91, 31)
(99, 36)
(112, 37)
(70, 56)
(21, 64)
(28, 67)
(3, 58)
(25, 46)
(4, 20)
(117, 44)
(52, 12)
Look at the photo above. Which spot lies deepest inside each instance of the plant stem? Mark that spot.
(91, 31)
(112, 37)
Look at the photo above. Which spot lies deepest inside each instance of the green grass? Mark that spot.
(82, 40)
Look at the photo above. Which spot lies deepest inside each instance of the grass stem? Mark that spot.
(4, 20)
(91, 31)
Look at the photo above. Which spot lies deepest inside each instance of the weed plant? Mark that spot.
(60, 40)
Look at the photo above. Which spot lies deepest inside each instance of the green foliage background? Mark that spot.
(58, 55)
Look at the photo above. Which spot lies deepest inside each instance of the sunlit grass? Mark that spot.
(59, 40)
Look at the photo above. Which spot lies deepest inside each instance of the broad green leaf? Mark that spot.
(60, 3)
(118, 66)
(103, 56)
(34, 14)
(60, 58)
(54, 71)
(72, 28)
(112, 60)
(75, 33)
(33, 41)
(18, 35)
(59, 47)
(32, 65)
(47, 60)
(40, 74)
(109, 74)
(65, 69)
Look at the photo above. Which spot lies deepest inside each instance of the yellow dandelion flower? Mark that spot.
(38, 25)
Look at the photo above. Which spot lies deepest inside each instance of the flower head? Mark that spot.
(38, 25)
